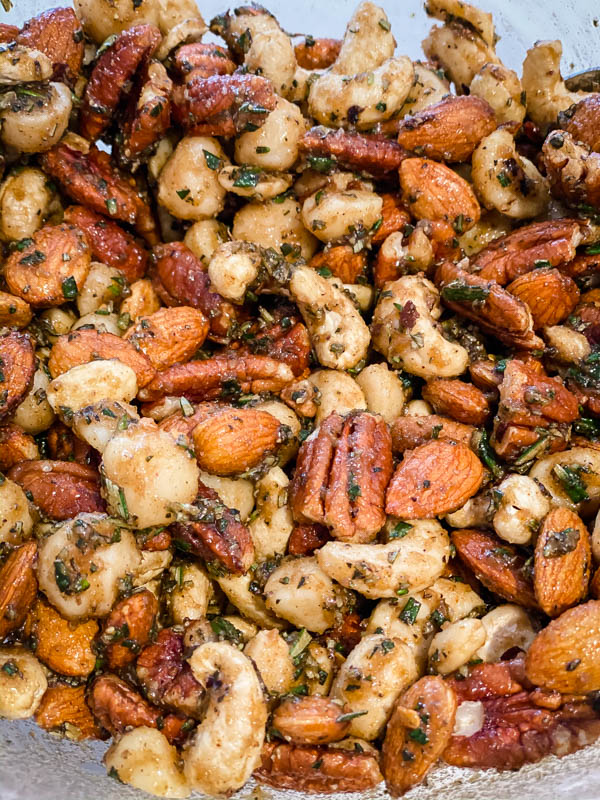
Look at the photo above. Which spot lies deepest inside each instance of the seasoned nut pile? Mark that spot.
(299, 397)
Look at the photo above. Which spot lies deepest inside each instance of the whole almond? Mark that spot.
(565, 655)
(17, 362)
(169, 336)
(409, 432)
(63, 646)
(18, 587)
(562, 562)
(63, 705)
(236, 440)
(550, 295)
(435, 478)
(453, 398)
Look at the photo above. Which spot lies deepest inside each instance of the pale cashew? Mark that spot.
(271, 54)
(226, 746)
(19, 64)
(456, 644)
(191, 593)
(98, 422)
(233, 268)
(490, 226)
(429, 86)
(596, 539)
(272, 526)
(91, 383)
(418, 408)
(507, 181)
(188, 30)
(151, 567)
(338, 333)
(16, 523)
(580, 465)
(363, 99)
(236, 493)
(250, 605)
(22, 683)
(271, 656)
(337, 391)
(204, 237)
(460, 51)
(544, 86)
(521, 509)
(367, 43)
(506, 626)
(275, 144)
(362, 296)
(65, 559)
(102, 286)
(56, 322)
(419, 348)
(26, 200)
(476, 512)
(448, 10)
(383, 391)
(373, 676)
(459, 600)
(502, 89)
(35, 413)
(568, 346)
(332, 214)
(253, 182)
(381, 570)
(32, 127)
(470, 716)
(417, 255)
(275, 224)
(102, 321)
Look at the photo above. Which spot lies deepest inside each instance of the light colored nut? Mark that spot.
(275, 144)
(90, 383)
(271, 54)
(35, 413)
(204, 237)
(102, 285)
(271, 655)
(459, 599)
(455, 645)
(521, 509)
(236, 493)
(40, 126)
(253, 182)
(460, 51)
(273, 224)
(506, 626)
(15, 519)
(190, 596)
(367, 42)
(22, 683)
(338, 391)
(301, 593)
(97, 423)
(272, 524)
(333, 214)
(502, 89)
(25, 202)
(233, 268)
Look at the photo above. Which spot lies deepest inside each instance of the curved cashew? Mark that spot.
(502, 89)
(98, 422)
(455, 645)
(367, 43)
(253, 182)
(333, 215)
(578, 467)
(272, 526)
(93, 383)
(16, 523)
(226, 747)
(337, 331)
(381, 570)
(448, 10)
(429, 86)
(459, 599)
(522, 507)
(250, 605)
(506, 181)
(475, 513)
(506, 626)
(191, 593)
(35, 127)
(411, 339)
(569, 346)
(271, 656)
(233, 268)
(22, 683)
(337, 391)
(383, 390)
(460, 51)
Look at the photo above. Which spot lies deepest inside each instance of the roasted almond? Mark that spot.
(65, 647)
(63, 708)
(169, 336)
(433, 191)
(60, 489)
(562, 562)
(449, 130)
(417, 734)
(14, 311)
(237, 439)
(17, 369)
(311, 720)
(565, 656)
(411, 431)
(530, 398)
(83, 346)
(128, 628)
(550, 295)
(595, 585)
(15, 446)
(18, 587)
(457, 399)
(50, 268)
(393, 215)
(341, 261)
(433, 479)
(498, 565)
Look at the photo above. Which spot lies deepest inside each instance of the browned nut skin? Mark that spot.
(410, 432)
(128, 628)
(202, 60)
(341, 261)
(453, 398)
(550, 295)
(16, 446)
(65, 705)
(317, 53)
(370, 154)
(58, 34)
(60, 489)
(63, 646)
(18, 368)
(18, 587)
(170, 335)
(572, 169)
(310, 720)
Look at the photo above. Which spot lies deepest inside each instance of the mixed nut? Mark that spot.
(299, 397)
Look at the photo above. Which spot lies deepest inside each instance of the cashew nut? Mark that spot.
(521, 509)
(367, 42)
(91, 383)
(233, 268)
(15, 519)
(383, 391)
(502, 89)
(273, 524)
(337, 391)
(22, 683)
(580, 465)
(506, 626)
(97, 423)
(271, 656)
(455, 645)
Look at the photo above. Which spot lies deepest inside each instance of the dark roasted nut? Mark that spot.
(8, 33)
(317, 769)
(63, 709)
(573, 170)
(394, 217)
(169, 336)
(17, 362)
(341, 261)
(83, 346)
(14, 311)
(18, 587)
(498, 565)
(307, 538)
(449, 130)
(58, 34)
(461, 401)
(486, 681)
(489, 305)
(109, 243)
(167, 678)
(435, 478)
(371, 154)
(202, 60)
(15, 446)
(52, 268)
(224, 105)
(63, 445)
(128, 628)
(63, 646)
(60, 489)
(410, 432)
(550, 295)
(550, 243)
(289, 343)
(116, 66)
(148, 117)
(581, 121)
(317, 53)
(310, 720)
(341, 475)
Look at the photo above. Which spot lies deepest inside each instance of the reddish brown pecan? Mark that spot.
(219, 536)
(116, 66)
(63, 445)
(109, 243)
(288, 343)
(581, 121)
(317, 769)
(219, 377)
(200, 60)
(154, 541)
(182, 278)
(485, 302)
(347, 633)
(60, 489)
(317, 53)
(148, 116)
(91, 179)
(583, 265)
(128, 628)
(8, 33)
(341, 476)
(18, 587)
(485, 681)
(410, 432)
(17, 367)
(341, 261)
(224, 105)
(307, 538)
(58, 34)
(572, 169)
(550, 243)
(15, 446)
(167, 678)
(371, 154)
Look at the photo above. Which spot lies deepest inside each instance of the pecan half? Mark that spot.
(341, 261)
(341, 475)
(409, 432)
(18, 367)
(18, 587)
(310, 720)
(116, 66)
(219, 377)
(572, 169)
(219, 536)
(307, 538)
(109, 243)
(183, 277)
(486, 681)
(169, 336)
(317, 53)
(202, 60)
(415, 741)
(8, 33)
(549, 295)
(581, 121)
(551, 243)
(15, 446)
(225, 105)
(435, 478)
(449, 130)
(499, 566)
(370, 154)
(167, 678)
(83, 346)
(457, 399)
(63, 709)
(128, 628)
(289, 343)
(58, 34)
(148, 117)
(91, 179)
(317, 769)
(60, 489)
(495, 310)
(65, 647)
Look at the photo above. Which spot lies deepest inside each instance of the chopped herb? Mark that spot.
(353, 488)
(212, 161)
(32, 259)
(400, 530)
(385, 24)
(111, 205)
(351, 715)
(571, 481)
(262, 149)
(223, 628)
(187, 409)
(542, 263)
(459, 223)
(69, 288)
(418, 735)
(559, 543)
(410, 611)
(182, 193)
(438, 618)
(588, 427)
(10, 667)
(486, 454)
(593, 249)
(381, 107)
(301, 690)
(503, 179)
(459, 292)
(122, 509)
(301, 643)
(387, 645)
(324, 272)
(571, 665)
(61, 576)
(321, 163)
(23, 244)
